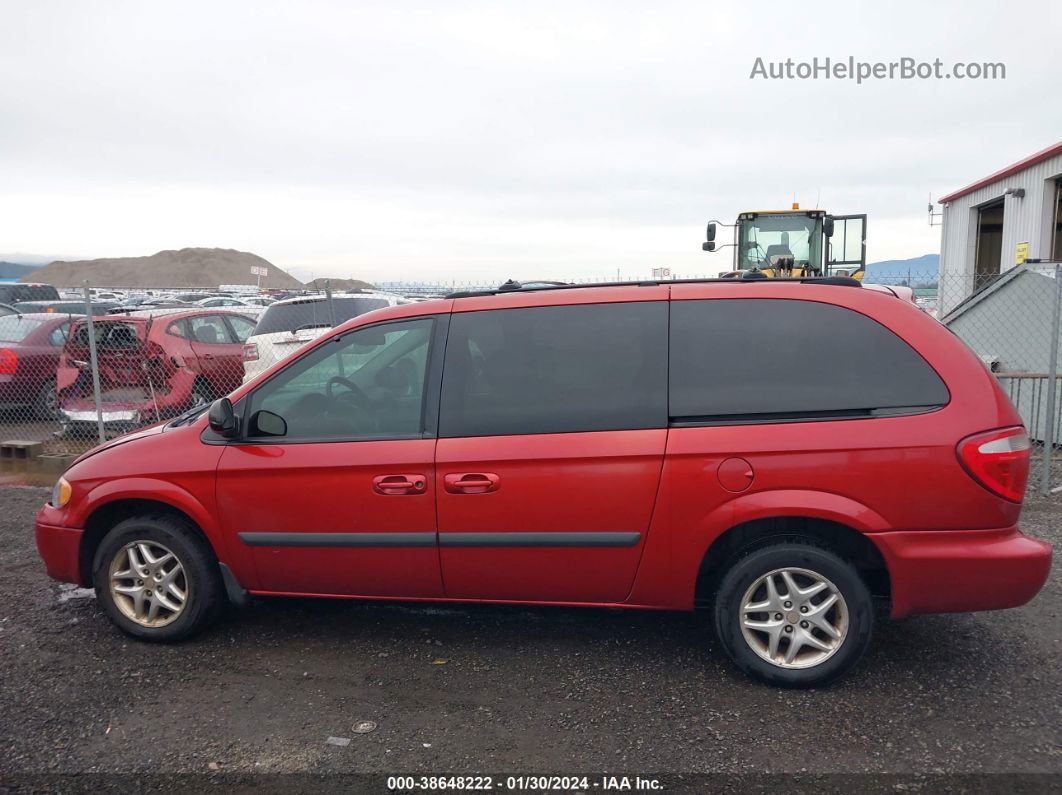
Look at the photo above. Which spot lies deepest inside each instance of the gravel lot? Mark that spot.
(507, 691)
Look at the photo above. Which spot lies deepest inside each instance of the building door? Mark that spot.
(989, 252)
(1056, 233)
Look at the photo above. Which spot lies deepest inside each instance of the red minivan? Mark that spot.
(784, 451)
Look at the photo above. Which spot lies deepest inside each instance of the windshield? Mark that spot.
(15, 328)
(766, 236)
(313, 313)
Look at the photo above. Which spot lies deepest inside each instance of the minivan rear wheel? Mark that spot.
(156, 578)
(793, 613)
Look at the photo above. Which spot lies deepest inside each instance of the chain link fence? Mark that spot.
(93, 367)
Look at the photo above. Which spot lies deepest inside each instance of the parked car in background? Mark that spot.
(287, 325)
(13, 293)
(30, 344)
(150, 303)
(223, 300)
(783, 452)
(152, 363)
(260, 300)
(66, 307)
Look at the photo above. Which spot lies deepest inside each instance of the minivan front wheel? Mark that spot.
(156, 578)
(794, 613)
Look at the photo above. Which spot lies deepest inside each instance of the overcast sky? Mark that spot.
(446, 140)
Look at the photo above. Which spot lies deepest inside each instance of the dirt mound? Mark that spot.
(188, 267)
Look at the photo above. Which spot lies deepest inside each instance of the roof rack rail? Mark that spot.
(511, 286)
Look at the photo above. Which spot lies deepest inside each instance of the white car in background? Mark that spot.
(285, 326)
(223, 300)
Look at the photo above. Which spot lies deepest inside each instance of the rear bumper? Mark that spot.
(59, 548)
(953, 571)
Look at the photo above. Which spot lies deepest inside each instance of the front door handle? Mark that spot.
(399, 484)
(471, 482)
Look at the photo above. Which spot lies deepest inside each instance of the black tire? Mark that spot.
(45, 406)
(799, 554)
(203, 586)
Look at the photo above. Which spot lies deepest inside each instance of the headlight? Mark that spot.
(60, 493)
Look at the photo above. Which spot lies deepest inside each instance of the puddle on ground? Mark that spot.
(42, 470)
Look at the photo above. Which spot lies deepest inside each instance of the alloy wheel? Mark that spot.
(148, 583)
(794, 618)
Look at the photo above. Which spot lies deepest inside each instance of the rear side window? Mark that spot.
(561, 369)
(314, 313)
(760, 359)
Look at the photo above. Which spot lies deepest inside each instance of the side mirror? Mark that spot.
(711, 232)
(266, 423)
(222, 419)
(709, 246)
(827, 226)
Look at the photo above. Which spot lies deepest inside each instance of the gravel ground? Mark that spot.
(507, 691)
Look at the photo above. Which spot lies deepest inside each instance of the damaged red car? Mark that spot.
(153, 364)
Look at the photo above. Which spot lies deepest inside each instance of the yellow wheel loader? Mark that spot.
(794, 243)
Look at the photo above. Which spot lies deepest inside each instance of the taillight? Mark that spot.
(998, 460)
(250, 352)
(8, 361)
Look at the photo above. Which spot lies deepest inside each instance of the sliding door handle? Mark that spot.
(471, 482)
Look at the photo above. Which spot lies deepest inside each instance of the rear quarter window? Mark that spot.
(762, 359)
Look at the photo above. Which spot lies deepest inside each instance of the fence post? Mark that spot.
(94, 363)
(1052, 377)
(331, 306)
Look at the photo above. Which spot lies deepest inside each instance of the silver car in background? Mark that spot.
(285, 326)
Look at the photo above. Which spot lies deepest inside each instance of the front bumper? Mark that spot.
(957, 571)
(59, 547)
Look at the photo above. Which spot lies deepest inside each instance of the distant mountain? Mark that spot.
(188, 267)
(916, 270)
(15, 270)
(36, 260)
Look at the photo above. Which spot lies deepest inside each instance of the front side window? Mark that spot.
(558, 369)
(739, 360)
(367, 384)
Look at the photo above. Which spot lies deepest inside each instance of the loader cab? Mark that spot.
(796, 244)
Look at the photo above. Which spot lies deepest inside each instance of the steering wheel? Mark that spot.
(356, 392)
